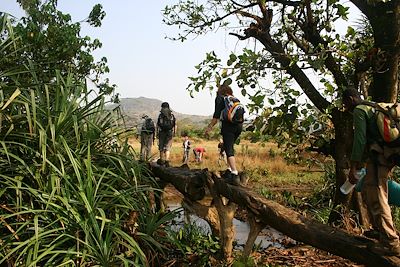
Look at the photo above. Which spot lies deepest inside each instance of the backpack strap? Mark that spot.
(377, 107)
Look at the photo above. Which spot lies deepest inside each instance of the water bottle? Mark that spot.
(347, 186)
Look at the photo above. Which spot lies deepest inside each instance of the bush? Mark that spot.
(72, 192)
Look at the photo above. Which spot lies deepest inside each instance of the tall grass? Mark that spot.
(262, 161)
(71, 192)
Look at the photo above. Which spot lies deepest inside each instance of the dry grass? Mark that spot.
(262, 162)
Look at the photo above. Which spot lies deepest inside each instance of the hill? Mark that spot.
(134, 108)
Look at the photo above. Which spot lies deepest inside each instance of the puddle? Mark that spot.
(267, 237)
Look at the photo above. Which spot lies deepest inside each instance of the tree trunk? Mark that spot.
(343, 140)
(287, 221)
(343, 145)
(385, 22)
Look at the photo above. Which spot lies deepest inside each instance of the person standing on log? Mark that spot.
(229, 112)
(147, 130)
(166, 129)
(368, 146)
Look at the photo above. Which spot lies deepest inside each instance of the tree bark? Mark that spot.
(385, 22)
(343, 140)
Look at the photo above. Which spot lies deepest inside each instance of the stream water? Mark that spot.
(267, 237)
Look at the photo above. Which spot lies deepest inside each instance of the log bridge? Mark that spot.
(195, 184)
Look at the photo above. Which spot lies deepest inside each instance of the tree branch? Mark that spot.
(237, 4)
(249, 15)
(300, 44)
(363, 6)
(278, 53)
(240, 37)
(287, 3)
(313, 36)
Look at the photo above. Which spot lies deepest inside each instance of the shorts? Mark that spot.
(230, 133)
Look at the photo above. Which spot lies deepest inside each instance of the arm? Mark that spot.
(210, 126)
(175, 126)
(219, 106)
(359, 143)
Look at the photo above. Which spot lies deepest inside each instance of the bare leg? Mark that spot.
(232, 163)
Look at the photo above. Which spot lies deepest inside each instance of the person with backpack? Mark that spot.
(370, 149)
(166, 129)
(230, 112)
(147, 131)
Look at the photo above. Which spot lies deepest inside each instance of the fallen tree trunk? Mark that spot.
(285, 220)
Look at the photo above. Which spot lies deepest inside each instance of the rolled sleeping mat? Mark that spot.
(393, 191)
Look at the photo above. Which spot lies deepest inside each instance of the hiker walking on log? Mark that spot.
(379, 163)
(166, 129)
(230, 112)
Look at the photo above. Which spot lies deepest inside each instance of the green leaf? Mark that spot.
(271, 101)
(227, 81)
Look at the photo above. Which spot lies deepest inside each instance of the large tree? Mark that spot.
(49, 39)
(299, 38)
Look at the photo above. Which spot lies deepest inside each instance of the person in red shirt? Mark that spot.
(199, 153)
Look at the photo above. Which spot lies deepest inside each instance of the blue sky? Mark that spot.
(142, 62)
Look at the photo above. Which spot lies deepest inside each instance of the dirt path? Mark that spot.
(301, 255)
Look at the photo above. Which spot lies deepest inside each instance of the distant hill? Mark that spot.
(134, 108)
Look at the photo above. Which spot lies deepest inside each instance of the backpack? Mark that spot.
(148, 126)
(387, 119)
(233, 111)
(166, 120)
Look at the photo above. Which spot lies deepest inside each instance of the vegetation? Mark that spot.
(194, 245)
(41, 37)
(298, 38)
(72, 192)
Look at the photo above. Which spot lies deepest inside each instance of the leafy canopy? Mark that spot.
(50, 39)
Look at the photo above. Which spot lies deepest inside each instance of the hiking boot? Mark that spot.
(232, 179)
(383, 250)
(160, 162)
(372, 233)
(226, 174)
(166, 163)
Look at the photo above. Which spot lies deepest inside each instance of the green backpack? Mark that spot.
(387, 119)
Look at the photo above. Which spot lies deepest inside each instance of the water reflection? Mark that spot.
(267, 237)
